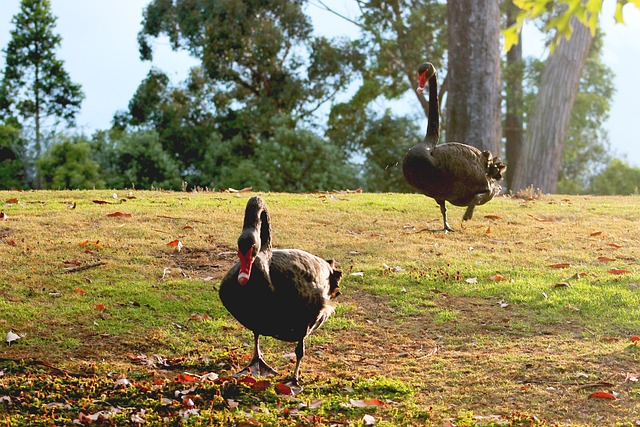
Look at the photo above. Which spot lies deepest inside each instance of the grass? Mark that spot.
(515, 319)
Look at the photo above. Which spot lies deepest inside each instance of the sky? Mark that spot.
(100, 51)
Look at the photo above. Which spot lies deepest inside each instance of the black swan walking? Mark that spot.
(451, 172)
(285, 294)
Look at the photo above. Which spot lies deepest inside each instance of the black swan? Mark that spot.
(283, 293)
(453, 172)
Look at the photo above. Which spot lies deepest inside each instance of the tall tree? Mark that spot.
(36, 90)
(474, 95)
(542, 151)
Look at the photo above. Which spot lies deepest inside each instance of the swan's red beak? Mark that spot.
(245, 266)
(422, 82)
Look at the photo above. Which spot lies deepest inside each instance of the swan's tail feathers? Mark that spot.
(496, 169)
(334, 280)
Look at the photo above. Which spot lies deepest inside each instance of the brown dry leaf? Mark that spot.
(497, 278)
(261, 385)
(79, 291)
(614, 245)
(596, 233)
(199, 317)
(12, 200)
(540, 219)
(618, 271)
(493, 217)
(120, 215)
(187, 227)
(604, 258)
(362, 403)
(488, 231)
(602, 395)
(542, 249)
(10, 242)
(283, 389)
(561, 285)
(101, 202)
(560, 265)
(100, 307)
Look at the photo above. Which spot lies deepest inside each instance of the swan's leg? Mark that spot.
(443, 209)
(257, 366)
(478, 199)
(296, 371)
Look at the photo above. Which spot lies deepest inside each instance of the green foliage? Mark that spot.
(67, 164)
(617, 178)
(11, 167)
(36, 90)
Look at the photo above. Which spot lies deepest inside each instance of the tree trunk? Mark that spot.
(474, 96)
(540, 160)
(513, 76)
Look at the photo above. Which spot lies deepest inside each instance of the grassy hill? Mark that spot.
(518, 317)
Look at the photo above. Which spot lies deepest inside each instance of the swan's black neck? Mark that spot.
(256, 217)
(433, 127)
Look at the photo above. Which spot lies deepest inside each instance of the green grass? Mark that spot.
(423, 327)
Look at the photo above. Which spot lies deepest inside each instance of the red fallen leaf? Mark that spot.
(283, 389)
(374, 402)
(261, 385)
(604, 258)
(497, 278)
(493, 217)
(89, 242)
(618, 271)
(597, 233)
(560, 265)
(186, 378)
(613, 339)
(10, 242)
(614, 245)
(174, 243)
(120, 215)
(187, 227)
(488, 231)
(247, 380)
(542, 249)
(79, 291)
(634, 338)
(12, 200)
(158, 382)
(602, 395)
(99, 307)
(541, 219)
(199, 317)
(101, 202)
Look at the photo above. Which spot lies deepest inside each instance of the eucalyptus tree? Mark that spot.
(36, 90)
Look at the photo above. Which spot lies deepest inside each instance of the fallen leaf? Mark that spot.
(369, 420)
(561, 285)
(493, 217)
(101, 202)
(634, 338)
(199, 317)
(614, 245)
(283, 389)
(100, 307)
(175, 244)
(602, 395)
(604, 258)
(357, 273)
(497, 278)
(11, 337)
(187, 227)
(596, 233)
(120, 215)
(186, 378)
(618, 271)
(472, 280)
(560, 265)
(231, 403)
(79, 291)
(261, 385)
(488, 231)
(362, 403)
(12, 200)
(541, 219)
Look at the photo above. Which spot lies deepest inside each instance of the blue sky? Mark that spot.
(100, 51)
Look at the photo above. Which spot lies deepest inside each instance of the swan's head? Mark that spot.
(248, 248)
(425, 72)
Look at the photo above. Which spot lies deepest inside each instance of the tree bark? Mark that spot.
(540, 160)
(513, 76)
(474, 96)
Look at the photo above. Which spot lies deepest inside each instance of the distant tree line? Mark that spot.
(273, 106)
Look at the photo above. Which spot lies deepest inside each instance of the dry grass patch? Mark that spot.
(527, 309)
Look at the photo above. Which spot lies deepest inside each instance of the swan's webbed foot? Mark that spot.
(257, 367)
